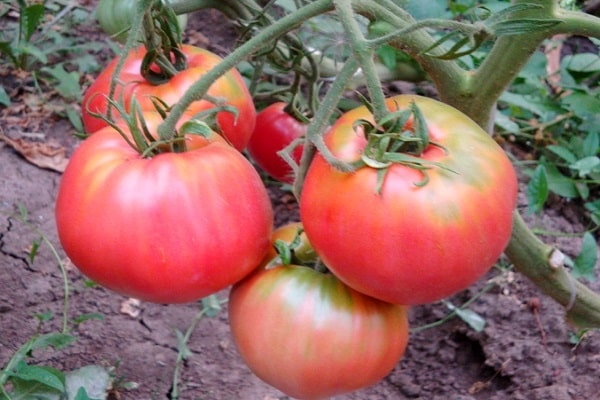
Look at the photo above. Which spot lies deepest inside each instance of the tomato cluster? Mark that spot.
(326, 313)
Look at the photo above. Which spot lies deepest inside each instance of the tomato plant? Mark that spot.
(311, 336)
(275, 130)
(115, 16)
(230, 88)
(169, 229)
(427, 233)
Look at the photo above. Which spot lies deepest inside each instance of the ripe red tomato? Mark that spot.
(230, 87)
(168, 229)
(411, 244)
(275, 130)
(311, 336)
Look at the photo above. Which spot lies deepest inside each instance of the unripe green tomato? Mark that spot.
(115, 16)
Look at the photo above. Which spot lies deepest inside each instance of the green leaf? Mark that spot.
(86, 317)
(7, 49)
(44, 317)
(82, 394)
(507, 124)
(30, 49)
(585, 262)
(34, 250)
(68, 82)
(526, 102)
(4, 99)
(211, 305)
(471, 318)
(586, 165)
(537, 190)
(55, 340)
(562, 152)
(582, 63)
(591, 144)
(30, 20)
(75, 119)
(582, 103)
(196, 127)
(46, 376)
(387, 56)
(182, 346)
(433, 8)
(559, 183)
(87, 383)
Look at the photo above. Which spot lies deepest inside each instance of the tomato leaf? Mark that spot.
(67, 82)
(586, 165)
(31, 17)
(4, 99)
(182, 346)
(387, 56)
(31, 379)
(537, 190)
(585, 263)
(470, 317)
(211, 306)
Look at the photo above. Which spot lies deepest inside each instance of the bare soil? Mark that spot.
(524, 352)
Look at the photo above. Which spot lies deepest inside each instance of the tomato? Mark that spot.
(115, 16)
(410, 243)
(168, 229)
(231, 87)
(310, 336)
(288, 233)
(275, 130)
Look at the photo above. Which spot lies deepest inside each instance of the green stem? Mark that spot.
(364, 54)
(255, 44)
(544, 266)
(136, 26)
(576, 23)
(314, 138)
(447, 75)
(188, 6)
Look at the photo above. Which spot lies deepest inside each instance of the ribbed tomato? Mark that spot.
(311, 336)
(229, 88)
(399, 237)
(172, 228)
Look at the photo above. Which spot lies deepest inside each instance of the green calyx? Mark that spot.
(399, 138)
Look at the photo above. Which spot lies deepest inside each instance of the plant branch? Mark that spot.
(447, 75)
(314, 138)
(544, 266)
(364, 54)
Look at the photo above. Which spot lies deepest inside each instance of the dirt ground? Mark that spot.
(524, 352)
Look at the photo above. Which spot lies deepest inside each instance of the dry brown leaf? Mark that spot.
(42, 155)
(131, 307)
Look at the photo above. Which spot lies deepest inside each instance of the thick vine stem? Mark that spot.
(539, 262)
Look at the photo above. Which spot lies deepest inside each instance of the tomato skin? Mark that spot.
(275, 129)
(230, 86)
(165, 229)
(312, 337)
(411, 244)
